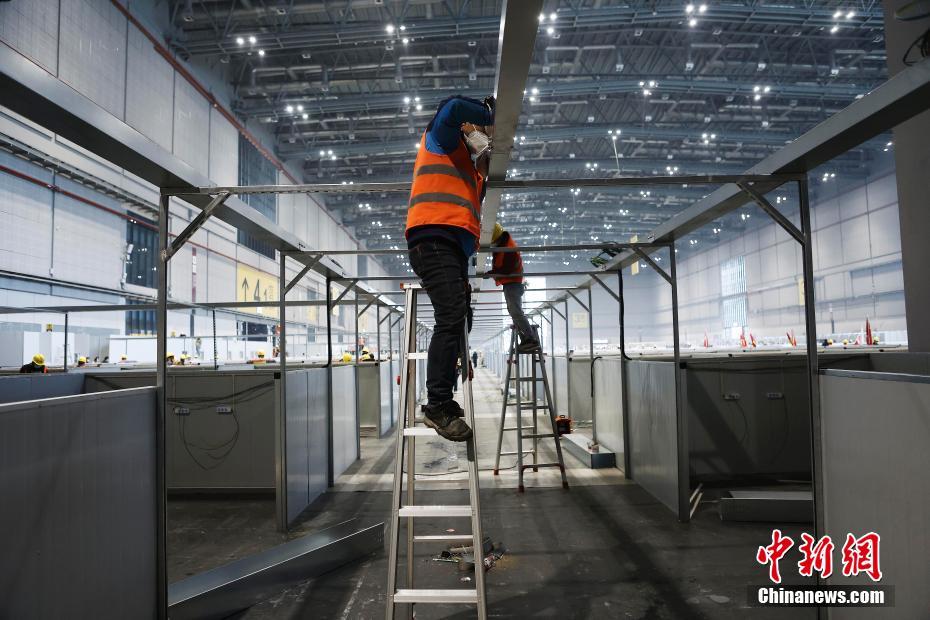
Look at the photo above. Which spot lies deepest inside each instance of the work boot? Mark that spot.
(528, 346)
(444, 418)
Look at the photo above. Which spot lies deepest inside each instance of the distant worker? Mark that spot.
(366, 356)
(474, 359)
(36, 365)
(183, 360)
(82, 361)
(123, 358)
(347, 357)
(259, 357)
(512, 263)
(443, 225)
(169, 359)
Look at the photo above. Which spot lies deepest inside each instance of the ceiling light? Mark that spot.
(289, 108)
(702, 8)
(534, 90)
(407, 100)
(419, 107)
(402, 28)
(300, 108)
(689, 9)
(834, 29)
(417, 99)
(757, 97)
(552, 16)
(542, 17)
(550, 31)
(692, 22)
(406, 41)
(252, 39)
(850, 15)
(261, 52)
(755, 89)
(305, 116)
(240, 41)
(389, 28)
(322, 153)
(333, 157)
(766, 89)
(329, 152)
(838, 15)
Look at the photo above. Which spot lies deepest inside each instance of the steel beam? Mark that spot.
(774, 213)
(514, 55)
(654, 265)
(231, 588)
(194, 225)
(307, 267)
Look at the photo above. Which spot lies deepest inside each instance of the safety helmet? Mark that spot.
(123, 358)
(39, 359)
(82, 360)
(169, 356)
(498, 231)
(260, 353)
(185, 356)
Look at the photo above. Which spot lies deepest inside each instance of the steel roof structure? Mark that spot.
(347, 87)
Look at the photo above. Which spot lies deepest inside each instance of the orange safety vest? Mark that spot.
(446, 190)
(507, 262)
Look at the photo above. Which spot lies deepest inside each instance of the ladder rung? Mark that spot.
(512, 428)
(465, 538)
(436, 596)
(435, 511)
(419, 355)
(419, 431)
(538, 435)
(513, 453)
(543, 465)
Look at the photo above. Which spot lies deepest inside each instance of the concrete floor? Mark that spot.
(602, 549)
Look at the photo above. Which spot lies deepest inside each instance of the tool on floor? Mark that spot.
(403, 505)
(535, 365)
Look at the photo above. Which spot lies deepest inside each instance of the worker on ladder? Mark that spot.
(443, 226)
(511, 264)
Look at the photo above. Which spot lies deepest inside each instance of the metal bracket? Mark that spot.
(366, 307)
(303, 272)
(774, 213)
(653, 264)
(580, 303)
(352, 284)
(552, 307)
(606, 288)
(193, 226)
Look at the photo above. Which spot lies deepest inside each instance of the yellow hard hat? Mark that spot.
(498, 231)
(123, 358)
(82, 360)
(169, 355)
(39, 359)
(184, 356)
(260, 353)
(845, 340)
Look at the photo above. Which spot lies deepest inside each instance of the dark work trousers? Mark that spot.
(513, 294)
(443, 269)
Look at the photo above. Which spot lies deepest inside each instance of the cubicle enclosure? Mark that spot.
(387, 371)
(608, 405)
(345, 419)
(307, 447)
(876, 430)
(79, 492)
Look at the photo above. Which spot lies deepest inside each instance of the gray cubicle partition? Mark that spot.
(369, 398)
(658, 441)
(307, 447)
(220, 427)
(560, 384)
(386, 409)
(345, 419)
(608, 405)
(17, 388)
(579, 390)
(78, 518)
(876, 429)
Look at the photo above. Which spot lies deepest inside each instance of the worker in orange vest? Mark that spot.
(512, 263)
(443, 225)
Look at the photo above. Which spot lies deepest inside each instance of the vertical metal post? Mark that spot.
(161, 412)
(330, 472)
(356, 370)
(216, 363)
(281, 426)
(591, 357)
(555, 402)
(391, 362)
(813, 378)
(684, 476)
(627, 468)
(568, 365)
(66, 343)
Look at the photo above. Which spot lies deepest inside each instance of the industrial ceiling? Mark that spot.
(615, 88)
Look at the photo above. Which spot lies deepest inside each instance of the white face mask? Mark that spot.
(478, 143)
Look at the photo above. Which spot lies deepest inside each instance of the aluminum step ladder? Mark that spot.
(514, 375)
(403, 505)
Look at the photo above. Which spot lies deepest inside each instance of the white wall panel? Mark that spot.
(31, 28)
(855, 239)
(224, 150)
(221, 278)
(885, 231)
(89, 244)
(191, 125)
(92, 52)
(25, 226)
(149, 90)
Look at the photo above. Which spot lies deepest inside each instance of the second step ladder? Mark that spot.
(527, 369)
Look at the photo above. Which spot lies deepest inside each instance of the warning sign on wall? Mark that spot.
(580, 320)
(255, 285)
